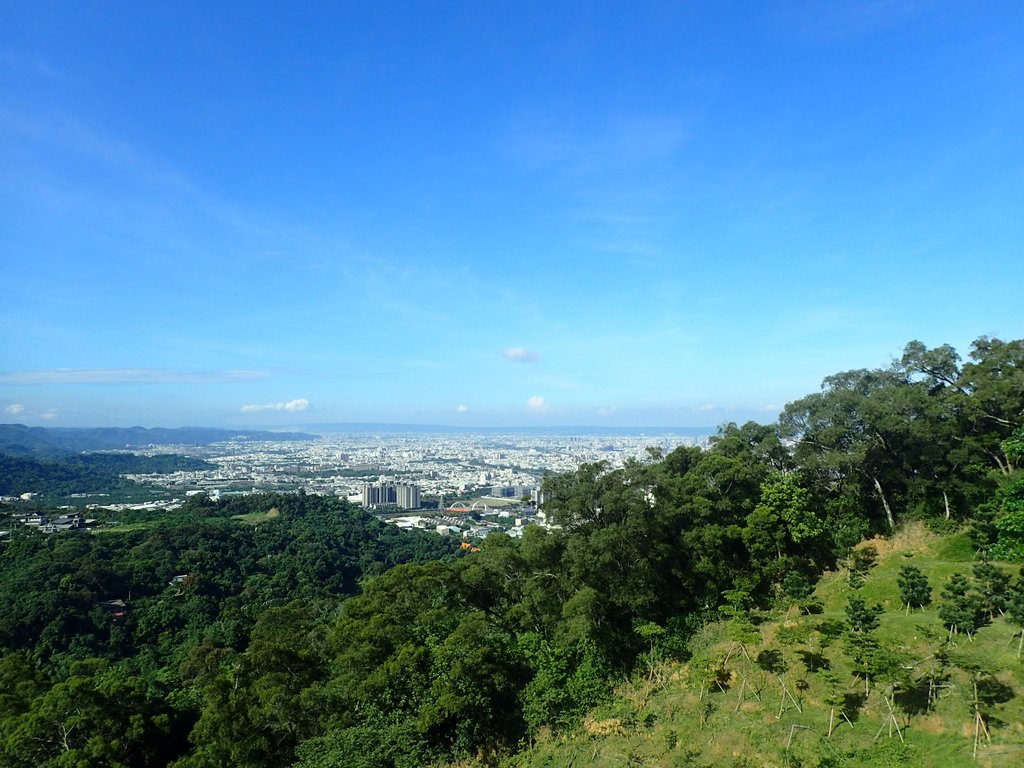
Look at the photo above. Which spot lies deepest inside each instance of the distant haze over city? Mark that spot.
(551, 430)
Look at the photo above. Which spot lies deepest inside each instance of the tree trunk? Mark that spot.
(885, 503)
(945, 500)
(1005, 467)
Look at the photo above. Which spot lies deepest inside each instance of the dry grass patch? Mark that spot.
(610, 727)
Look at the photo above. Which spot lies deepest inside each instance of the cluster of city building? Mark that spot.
(461, 483)
(391, 493)
(448, 464)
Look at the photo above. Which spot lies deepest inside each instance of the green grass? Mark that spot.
(958, 548)
(255, 518)
(125, 527)
(674, 720)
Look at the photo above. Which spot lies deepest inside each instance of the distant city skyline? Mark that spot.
(496, 215)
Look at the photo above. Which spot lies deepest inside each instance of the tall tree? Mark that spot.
(994, 383)
(915, 591)
(856, 435)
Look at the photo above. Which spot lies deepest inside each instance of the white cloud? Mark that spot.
(520, 355)
(536, 403)
(14, 408)
(49, 415)
(707, 407)
(462, 408)
(292, 406)
(126, 376)
(607, 411)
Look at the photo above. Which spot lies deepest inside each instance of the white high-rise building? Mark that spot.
(387, 492)
(407, 495)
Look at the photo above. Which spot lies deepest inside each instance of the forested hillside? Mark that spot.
(908, 655)
(258, 656)
(57, 478)
(19, 440)
(116, 643)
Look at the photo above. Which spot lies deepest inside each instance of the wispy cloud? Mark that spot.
(520, 355)
(707, 407)
(49, 415)
(14, 409)
(623, 144)
(827, 22)
(126, 376)
(536, 403)
(127, 186)
(292, 406)
(613, 174)
(460, 408)
(609, 411)
(32, 64)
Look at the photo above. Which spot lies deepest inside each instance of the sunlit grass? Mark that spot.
(673, 720)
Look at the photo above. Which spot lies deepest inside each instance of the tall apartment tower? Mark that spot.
(407, 495)
(403, 495)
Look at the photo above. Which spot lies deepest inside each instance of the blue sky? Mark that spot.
(496, 213)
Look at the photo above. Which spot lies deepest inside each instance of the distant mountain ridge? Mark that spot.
(21, 440)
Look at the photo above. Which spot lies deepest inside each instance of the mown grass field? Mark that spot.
(255, 518)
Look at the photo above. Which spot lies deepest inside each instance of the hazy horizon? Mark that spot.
(342, 427)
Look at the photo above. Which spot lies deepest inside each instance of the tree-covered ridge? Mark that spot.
(132, 625)
(85, 473)
(925, 434)
(449, 659)
(20, 440)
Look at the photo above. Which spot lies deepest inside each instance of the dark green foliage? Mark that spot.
(566, 681)
(783, 532)
(862, 618)
(1015, 601)
(960, 610)
(1007, 521)
(97, 715)
(236, 644)
(56, 478)
(475, 676)
(991, 584)
(1015, 608)
(915, 591)
(797, 587)
(89, 473)
(863, 560)
(19, 440)
(20, 683)
(378, 741)
(255, 709)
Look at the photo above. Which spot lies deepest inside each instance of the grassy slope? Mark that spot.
(664, 719)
